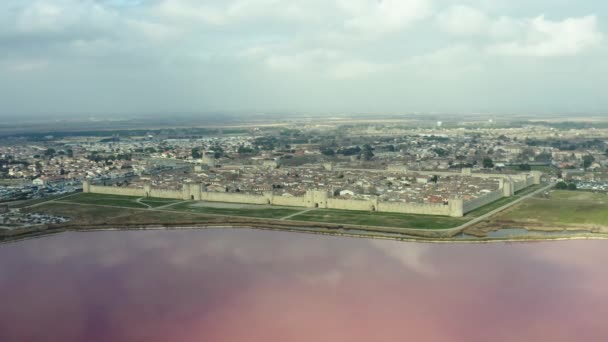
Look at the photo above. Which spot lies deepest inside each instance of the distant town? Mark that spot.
(364, 164)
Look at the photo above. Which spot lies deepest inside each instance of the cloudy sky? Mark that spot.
(321, 56)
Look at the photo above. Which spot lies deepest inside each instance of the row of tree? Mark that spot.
(565, 186)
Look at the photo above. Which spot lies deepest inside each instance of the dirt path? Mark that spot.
(50, 200)
(296, 214)
(140, 202)
(169, 205)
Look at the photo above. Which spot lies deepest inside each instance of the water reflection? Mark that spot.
(243, 285)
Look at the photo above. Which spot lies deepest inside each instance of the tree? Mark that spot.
(571, 186)
(218, 152)
(435, 179)
(350, 151)
(69, 152)
(49, 152)
(440, 152)
(587, 161)
(326, 151)
(245, 150)
(196, 153)
(488, 163)
(561, 186)
(543, 157)
(525, 167)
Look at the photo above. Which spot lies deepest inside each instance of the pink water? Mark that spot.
(242, 285)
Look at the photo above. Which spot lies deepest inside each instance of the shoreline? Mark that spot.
(39, 232)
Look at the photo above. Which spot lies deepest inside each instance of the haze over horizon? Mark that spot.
(349, 56)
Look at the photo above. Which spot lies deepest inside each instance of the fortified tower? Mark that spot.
(506, 184)
(147, 189)
(191, 192)
(456, 207)
(537, 176)
(316, 198)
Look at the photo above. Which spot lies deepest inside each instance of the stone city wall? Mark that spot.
(519, 185)
(312, 199)
(414, 208)
(164, 193)
(318, 199)
(343, 204)
(289, 201)
(234, 198)
(483, 200)
(114, 190)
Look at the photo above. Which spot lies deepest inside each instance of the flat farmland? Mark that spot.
(561, 208)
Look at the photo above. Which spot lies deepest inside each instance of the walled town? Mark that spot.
(422, 168)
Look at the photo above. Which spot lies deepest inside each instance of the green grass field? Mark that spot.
(579, 196)
(111, 200)
(379, 219)
(562, 208)
(503, 201)
(247, 211)
(36, 201)
(158, 202)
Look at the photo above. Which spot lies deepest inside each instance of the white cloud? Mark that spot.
(546, 38)
(230, 12)
(463, 20)
(355, 69)
(402, 47)
(25, 65)
(386, 16)
(324, 62)
(152, 31)
(47, 17)
(539, 37)
(290, 61)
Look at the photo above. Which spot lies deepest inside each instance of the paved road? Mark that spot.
(504, 207)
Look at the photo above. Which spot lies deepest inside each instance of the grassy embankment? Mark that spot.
(366, 218)
(245, 211)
